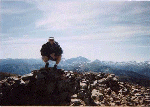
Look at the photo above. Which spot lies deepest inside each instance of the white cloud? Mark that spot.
(112, 33)
(60, 15)
(127, 31)
(93, 16)
(64, 15)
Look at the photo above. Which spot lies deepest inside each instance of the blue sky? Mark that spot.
(104, 30)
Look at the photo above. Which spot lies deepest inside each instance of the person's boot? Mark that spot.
(55, 67)
(46, 65)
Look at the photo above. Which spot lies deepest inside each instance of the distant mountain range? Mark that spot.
(131, 70)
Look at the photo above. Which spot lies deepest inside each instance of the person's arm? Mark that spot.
(43, 50)
(58, 49)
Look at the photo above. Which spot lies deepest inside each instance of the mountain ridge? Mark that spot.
(130, 69)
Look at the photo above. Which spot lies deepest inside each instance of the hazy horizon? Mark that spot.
(104, 30)
(73, 57)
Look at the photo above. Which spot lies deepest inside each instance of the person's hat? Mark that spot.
(51, 38)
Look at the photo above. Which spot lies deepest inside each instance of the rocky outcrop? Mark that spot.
(41, 87)
(100, 89)
(4, 75)
(67, 88)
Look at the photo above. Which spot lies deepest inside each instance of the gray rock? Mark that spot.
(96, 95)
(135, 91)
(27, 77)
(123, 91)
(98, 77)
(98, 103)
(83, 85)
(75, 102)
(118, 103)
(102, 81)
(115, 79)
(74, 96)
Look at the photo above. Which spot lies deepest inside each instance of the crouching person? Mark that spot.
(51, 51)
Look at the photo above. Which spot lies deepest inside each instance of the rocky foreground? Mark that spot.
(67, 88)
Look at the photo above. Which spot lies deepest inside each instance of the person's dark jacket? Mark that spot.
(48, 49)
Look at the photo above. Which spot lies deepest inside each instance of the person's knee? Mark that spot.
(45, 58)
(58, 57)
